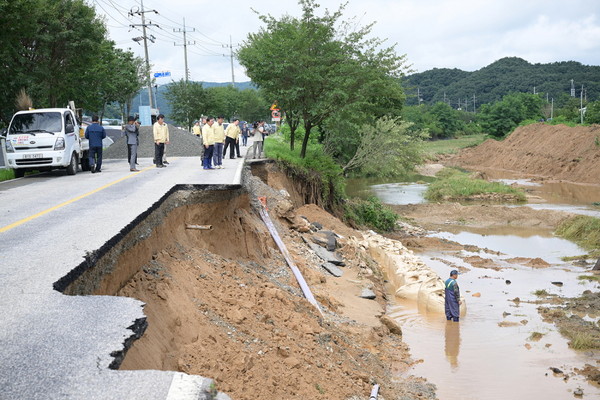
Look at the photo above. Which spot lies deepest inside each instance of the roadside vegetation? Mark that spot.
(583, 230)
(324, 179)
(6, 174)
(455, 185)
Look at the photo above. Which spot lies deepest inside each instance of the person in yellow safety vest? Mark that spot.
(208, 141)
(196, 129)
(232, 135)
(161, 137)
(219, 142)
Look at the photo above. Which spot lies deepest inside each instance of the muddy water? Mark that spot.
(477, 358)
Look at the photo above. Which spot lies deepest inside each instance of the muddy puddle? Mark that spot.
(495, 351)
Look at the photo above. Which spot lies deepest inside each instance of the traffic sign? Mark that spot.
(275, 115)
(162, 74)
(274, 107)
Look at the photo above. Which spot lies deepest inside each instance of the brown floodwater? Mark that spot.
(476, 358)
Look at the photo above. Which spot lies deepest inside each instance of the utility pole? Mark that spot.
(231, 59)
(474, 107)
(572, 88)
(145, 38)
(552, 109)
(581, 104)
(185, 43)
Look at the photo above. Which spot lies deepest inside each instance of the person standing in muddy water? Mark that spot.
(452, 297)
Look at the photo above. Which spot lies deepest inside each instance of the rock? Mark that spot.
(507, 282)
(505, 314)
(391, 324)
(559, 284)
(316, 226)
(476, 294)
(368, 294)
(527, 346)
(333, 269)
(326, 255)
(556, 370)
(578, 392)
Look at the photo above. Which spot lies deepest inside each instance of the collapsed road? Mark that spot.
(52, 226)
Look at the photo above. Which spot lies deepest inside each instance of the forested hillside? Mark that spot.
(510, 74)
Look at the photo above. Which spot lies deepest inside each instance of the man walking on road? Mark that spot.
(208, 140)
(161, 137)
(452, 295)
(232, 135)
(95, 133)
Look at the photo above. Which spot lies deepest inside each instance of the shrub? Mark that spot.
(583, 230)
(370, 213)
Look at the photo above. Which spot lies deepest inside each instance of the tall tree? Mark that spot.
(189, 100)
(315, 65)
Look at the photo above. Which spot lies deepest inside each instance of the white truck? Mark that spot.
(45, 139)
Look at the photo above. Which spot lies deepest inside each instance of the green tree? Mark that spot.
(57, 51)
(501, 117)
(188, 101)
(592, 114)
(387, 148)
(315, 65)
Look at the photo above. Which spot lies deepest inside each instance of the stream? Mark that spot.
(477, 358)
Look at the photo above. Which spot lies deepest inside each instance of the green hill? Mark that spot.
(510, 74)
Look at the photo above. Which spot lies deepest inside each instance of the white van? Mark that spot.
(46, 139)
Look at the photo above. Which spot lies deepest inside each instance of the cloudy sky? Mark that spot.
(465, 34)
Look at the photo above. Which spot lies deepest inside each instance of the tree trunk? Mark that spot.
(597, 266)
(307, 128)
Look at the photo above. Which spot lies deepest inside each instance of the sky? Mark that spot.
(463, 34)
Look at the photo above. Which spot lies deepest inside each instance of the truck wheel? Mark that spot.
(72, 168)
(19, 173)
(85, 161)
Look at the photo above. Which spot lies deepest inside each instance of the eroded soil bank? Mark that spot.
(222, 303)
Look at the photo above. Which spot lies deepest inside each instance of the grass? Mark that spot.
(6, 174)
(451, 146)
(589, 278)
(580, 340)
(455, 185)
(541, 292)
(583, 230)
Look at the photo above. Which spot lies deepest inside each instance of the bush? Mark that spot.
(370, 213)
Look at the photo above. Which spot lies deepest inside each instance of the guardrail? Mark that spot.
(3, 152)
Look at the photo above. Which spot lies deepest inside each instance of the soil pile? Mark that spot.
(182, 144)
(547, 151)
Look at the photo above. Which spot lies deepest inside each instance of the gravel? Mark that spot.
(182, 144)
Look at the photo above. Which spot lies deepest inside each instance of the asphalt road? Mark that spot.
(56, 346)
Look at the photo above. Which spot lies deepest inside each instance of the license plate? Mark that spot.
(33, 155)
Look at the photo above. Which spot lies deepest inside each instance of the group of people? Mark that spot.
(215, 140)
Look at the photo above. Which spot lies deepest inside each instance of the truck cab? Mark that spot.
(45, 139)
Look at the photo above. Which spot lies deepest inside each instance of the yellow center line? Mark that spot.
(66, 203)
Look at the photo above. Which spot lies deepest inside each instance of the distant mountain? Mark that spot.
(163, 104)
(491, 83)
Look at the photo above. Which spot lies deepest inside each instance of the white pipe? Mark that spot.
(303, 285)
(374, 392)
(199, 227)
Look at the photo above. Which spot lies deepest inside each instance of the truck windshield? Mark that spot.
(36, 122)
